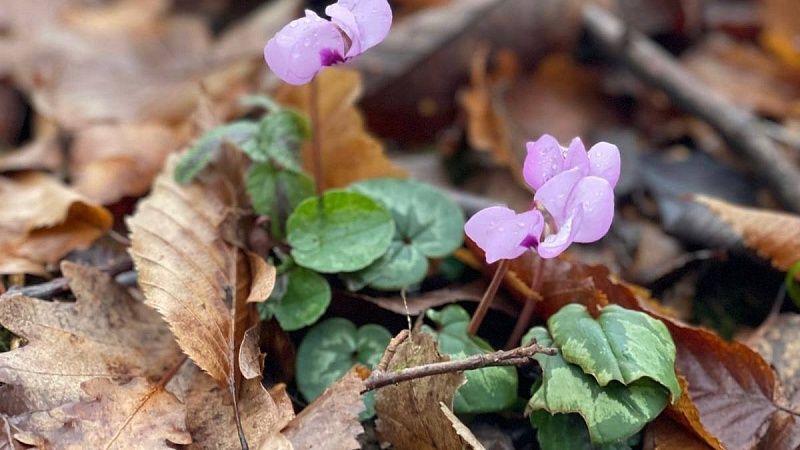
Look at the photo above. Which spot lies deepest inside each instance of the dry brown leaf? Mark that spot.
(461, 429)
(134, 415)
(747, 76)
(43, 220)
(331, 421)
(42, 153)
(343, 136)
(771, 234)
(108, 162)
(210, 417)
(184, 245)
(781, 25)
(104, 333)
(409, 416)
(664, 434)
(779, 343)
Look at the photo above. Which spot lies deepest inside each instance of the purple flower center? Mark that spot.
(329, 57)
(530, 241)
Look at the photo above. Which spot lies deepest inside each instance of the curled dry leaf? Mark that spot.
(771, 234)
(778, 341)
(42, 153)
(104, 333)
(210, 416)
(43, 220)
(191, 270)
(664, 434)
(110, 416)
(331, 421)
(109, 162)
(409, 415)
(461, 429)
(343, 137)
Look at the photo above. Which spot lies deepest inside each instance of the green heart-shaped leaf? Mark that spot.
(301, 301)
(622, 345)
(279, 137)
(276, 193)
(344, 232)
(568, 431)
(331, 348)
(612, 413)
(427, 224)
(486, 390)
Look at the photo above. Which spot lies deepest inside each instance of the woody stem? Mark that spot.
(488, 297)
(316, 148)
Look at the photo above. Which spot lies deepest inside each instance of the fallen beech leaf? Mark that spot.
(771, 234)
(105, 333)
(343, 137)
(210, 418)
(134, 415)
(109, 162)
(664, 434)
(192, 272)
(409, 416)
(43, 220)
(331, 421)
(461, 429)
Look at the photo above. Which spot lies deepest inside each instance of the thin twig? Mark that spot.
(516, 357)
(488, 296)
(741, 129)
(61, 284)
(391, 349)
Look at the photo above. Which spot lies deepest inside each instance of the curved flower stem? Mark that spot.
(529, 307)
(488, 297)
(316, 147)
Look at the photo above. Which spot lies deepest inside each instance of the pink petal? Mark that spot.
(499, 231)
(545, 160)
(605, 162)
(298, 51)
(576, 157)
(555, 244)
(373, 19)
(595, 197)
(553, 194)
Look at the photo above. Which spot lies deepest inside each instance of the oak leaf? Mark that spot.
(134, 415)
(409, 415)
(331, 421)
(343, 137)
(43, 220)
(771, 234)
(104, 333)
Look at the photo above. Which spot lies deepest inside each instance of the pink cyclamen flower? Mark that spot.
(303, 47)
(574, 188)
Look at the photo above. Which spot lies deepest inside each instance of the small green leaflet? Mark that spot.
(331, 348)
(279, 137)
(240, 133)
(427, 225)
(792, 287)
(344, 232)
(612, 413)
(486, 390)
(621, 345)
(301, 300)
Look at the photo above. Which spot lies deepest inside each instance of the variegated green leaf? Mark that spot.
(568, 431)
(622, 345)
(612, 413)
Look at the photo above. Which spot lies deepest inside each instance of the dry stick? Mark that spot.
(741, 129)
(391, 349)
(487, 298)
(316, 149)
(516, 357)
(61, 284)
(530, 303)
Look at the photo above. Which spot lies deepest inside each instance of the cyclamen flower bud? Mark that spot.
(303, 47)
(574, 187)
